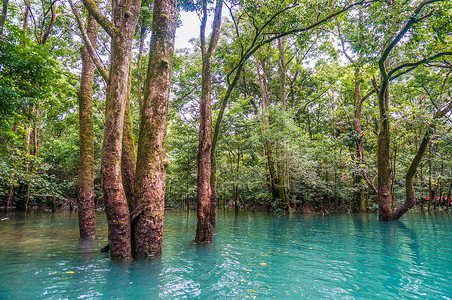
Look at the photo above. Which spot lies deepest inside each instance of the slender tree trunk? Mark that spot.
(25, 23)
(128, 155)
(152, 162)
(3, 16)
(205, 213)
(360, 204)
(143, 29)
(267, 144)
(86, 206)
(385, 204)
(10, 196)
(213, 189)
(279, 153)
(213, 176)
(36, 125)
(410, 200)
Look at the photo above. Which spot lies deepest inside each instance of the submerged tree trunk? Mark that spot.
(86, 206)
(152, 161)
(205, 213)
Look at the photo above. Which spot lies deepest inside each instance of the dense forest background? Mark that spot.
(298, 103)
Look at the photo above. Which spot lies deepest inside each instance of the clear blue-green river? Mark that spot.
(254, 255)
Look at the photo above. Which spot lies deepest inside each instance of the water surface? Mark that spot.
(254, 256)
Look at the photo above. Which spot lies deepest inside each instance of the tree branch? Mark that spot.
(417, 63)
(100, 67)
(108, 26)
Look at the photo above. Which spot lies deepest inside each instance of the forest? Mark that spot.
(286, 106)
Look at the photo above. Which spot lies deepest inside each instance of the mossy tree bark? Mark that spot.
(86, 205)
(121, 30)
(128, 155)
(149, 191)
(205, 210)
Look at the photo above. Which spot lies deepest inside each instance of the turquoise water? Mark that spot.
(254, 256)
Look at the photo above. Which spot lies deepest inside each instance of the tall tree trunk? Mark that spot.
(25, 23)
(205, 229)
(410, 200)
(143, 29)
(121, 30)
(128, 155)
(360, 203)
(265, 127)
(3, 16)
(86, 205)
(213, 176)
(279, 153)
(152, 162)
(385, 201)
(385, 204)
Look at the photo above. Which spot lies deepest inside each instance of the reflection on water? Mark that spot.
(254, 255)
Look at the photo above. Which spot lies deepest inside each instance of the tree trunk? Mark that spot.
(205, 229)
(10, 196)
(213, 189)
(25, 23)
(410, 200)
(279, 155)
(128, 156)
(86, 206)
(152, 162)
(267, 144)
(3, 17)
(360, 204)
(385, 205)
(140, 74)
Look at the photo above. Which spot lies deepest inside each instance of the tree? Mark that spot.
(121, 29)
(385, 200)
(149, 192)
(206, 208)
(86, 206)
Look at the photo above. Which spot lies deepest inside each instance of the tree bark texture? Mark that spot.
(86, 206)
(143, 29)
(128, 156)
(205, 213)
(152, 161)
(385, 203)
